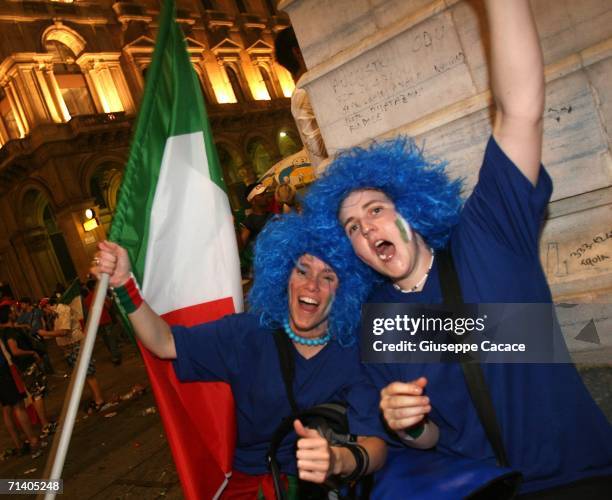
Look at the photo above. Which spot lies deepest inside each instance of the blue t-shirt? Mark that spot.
(552, 429)
(237, 350)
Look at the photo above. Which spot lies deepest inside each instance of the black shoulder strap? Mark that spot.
(287, 364)
(474, 376)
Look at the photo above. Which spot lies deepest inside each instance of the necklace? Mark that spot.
(421, 281)
(324, 339)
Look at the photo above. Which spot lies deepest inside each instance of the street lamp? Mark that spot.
(91, 221)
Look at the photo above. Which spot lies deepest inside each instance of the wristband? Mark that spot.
(128, 295)
(414, 432)
(362, 461)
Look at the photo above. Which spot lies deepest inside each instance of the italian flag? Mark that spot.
(173, 216)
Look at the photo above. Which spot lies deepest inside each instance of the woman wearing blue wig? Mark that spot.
(314, 292)
(397, 210)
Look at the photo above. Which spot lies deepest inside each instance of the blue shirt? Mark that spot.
(553, 431)
(237, 350)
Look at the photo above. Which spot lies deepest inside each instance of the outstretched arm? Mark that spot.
(150, 329)
(517, 82)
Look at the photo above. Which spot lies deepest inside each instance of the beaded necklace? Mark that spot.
(324, 339)
(421, 281)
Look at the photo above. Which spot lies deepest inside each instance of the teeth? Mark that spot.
(384, 257)
(309, 300)
(378, 243)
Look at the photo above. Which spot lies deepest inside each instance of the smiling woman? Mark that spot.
(311, 290)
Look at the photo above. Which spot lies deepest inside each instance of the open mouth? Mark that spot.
(308, 303)
(385, 250)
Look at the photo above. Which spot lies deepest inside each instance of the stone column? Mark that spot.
(418, 67)
(37, 260)
(53, 96)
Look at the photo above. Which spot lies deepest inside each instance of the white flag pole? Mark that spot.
(57, 457)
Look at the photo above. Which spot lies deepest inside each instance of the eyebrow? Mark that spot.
(366, 205)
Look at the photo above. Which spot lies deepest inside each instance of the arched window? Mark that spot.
(231, 164)
(235, 83)
(8, 117)
(259, 156)
(104, 185)
(242, 6)
(287, 144)
(70, 80)
(265, 76)
(271, 7)
(97, 187)
(59, 245)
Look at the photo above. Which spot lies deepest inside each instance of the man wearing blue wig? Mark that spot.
(314, 292)
(397, 209)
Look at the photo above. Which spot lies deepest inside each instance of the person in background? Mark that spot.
(67, 332)
(286, 197)
(31, 318)
(253, 223)
(106, 323)
(28, 363)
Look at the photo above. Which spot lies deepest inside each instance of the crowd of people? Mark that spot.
(26, 327)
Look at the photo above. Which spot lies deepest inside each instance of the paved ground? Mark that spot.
(126, 456)
(119, 454)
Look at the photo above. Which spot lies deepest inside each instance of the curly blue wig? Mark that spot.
(420, 189)
(277, 249)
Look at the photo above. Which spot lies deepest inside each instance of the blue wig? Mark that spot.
(277, 249)
(420, 189)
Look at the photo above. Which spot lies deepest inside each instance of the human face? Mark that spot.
(312, 287)
(378, 233)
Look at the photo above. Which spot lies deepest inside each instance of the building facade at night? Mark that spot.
(71, 78)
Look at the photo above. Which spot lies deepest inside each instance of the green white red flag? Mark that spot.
(174, 218)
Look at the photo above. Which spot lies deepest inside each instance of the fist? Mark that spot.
(111, 259)
(403, 404)
(314, 456)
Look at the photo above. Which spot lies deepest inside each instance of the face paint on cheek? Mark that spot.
(404, 229)
(330, 302)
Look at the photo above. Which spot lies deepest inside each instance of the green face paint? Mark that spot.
(402, 226)
(328, 307)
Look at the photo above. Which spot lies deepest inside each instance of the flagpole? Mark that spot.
(57, 457)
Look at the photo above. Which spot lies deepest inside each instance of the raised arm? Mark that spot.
(517, 82)
(150, 329)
